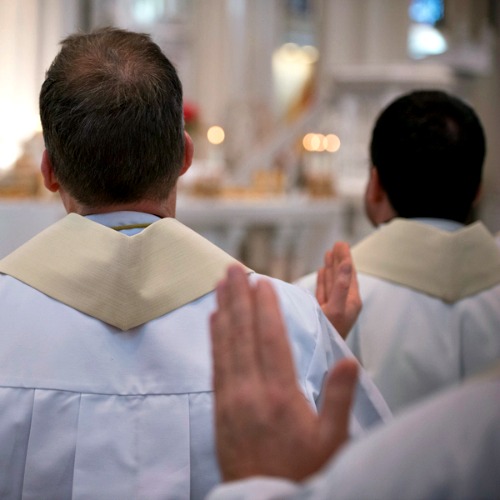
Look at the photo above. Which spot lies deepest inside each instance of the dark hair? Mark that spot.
(111, 112)
(428, 148)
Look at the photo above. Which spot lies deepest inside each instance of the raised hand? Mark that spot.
(337, 288)
(264, 424)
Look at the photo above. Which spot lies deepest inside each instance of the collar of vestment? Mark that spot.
(122, 280)
(449, 265)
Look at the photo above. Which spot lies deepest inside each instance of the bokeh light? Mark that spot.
(215, 134)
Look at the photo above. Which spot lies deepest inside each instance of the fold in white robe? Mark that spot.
(445, 448)
(431, 306)
(89, 410)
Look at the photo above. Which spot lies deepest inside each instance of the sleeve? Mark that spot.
(369, 407)
(317, 347)
(421, 454)
(480, 332)
(352, 342)
(257, 488)
(308, 282)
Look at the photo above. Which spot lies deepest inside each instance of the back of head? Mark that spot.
(111, 112)
(428, 148)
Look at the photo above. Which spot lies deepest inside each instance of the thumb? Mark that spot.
(338, 398)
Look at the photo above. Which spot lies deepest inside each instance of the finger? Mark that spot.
(354, 285)
(321, 296)
(343, 306)
(221, 349)
(221, 293)
(321, 279)
(222, 335)
(273, 346)
(341, 287)
(341, 252)
(241, 309)
(329, 257)
(329, 279)
(348, 277)
(343, 274)
(339, 393)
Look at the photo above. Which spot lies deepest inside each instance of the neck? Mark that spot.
(161, 208)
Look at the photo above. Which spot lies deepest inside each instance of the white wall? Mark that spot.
(29, 33)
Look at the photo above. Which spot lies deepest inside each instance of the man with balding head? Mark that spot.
(105, 366)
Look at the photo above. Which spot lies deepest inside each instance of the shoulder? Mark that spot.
(313, 336)
(298, 304)
(285, 290)
(307, 282)
(466, 459)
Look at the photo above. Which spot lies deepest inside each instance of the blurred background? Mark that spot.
(280, 98)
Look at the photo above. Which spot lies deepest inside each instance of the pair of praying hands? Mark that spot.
(264, 425)
(337, 288)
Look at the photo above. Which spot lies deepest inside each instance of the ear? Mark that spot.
(478, 196)
(188, 153)
(378, 208)
(374, 190)
(49, 178)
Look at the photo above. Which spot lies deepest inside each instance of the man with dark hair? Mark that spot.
(105, 366)
(429, 283)
(427, 150)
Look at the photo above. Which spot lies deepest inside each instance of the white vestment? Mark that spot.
(431, 314)
(105, 361)
(445, 448)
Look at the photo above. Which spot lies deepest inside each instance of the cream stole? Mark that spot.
(122, 280)
(447, 265)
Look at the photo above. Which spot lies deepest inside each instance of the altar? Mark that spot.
(283, 236)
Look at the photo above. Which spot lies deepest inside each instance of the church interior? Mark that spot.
(279, 98)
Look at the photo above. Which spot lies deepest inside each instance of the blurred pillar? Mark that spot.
(29, 34)
(363, 32)
(233, 42)
(486, 98)
(233, 45)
